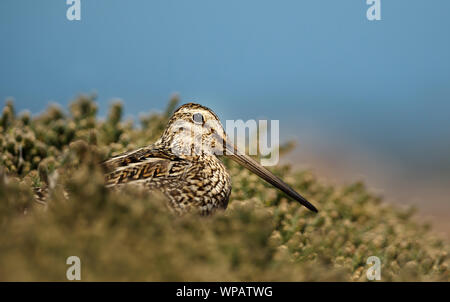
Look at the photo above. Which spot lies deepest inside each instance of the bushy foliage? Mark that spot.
(130, 235)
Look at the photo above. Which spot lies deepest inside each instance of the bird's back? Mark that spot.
(198, 183)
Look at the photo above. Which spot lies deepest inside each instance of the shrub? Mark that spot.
(129, 235)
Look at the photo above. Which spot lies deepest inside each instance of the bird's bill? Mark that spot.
(265, 174)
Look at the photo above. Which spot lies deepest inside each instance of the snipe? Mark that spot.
(184, 165)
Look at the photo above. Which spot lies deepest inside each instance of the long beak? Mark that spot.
(265, 174)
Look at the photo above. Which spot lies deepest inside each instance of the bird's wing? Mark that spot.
(150, 165)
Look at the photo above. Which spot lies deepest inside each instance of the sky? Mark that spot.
(329, 75)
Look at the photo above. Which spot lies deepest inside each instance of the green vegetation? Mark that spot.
(129, 235)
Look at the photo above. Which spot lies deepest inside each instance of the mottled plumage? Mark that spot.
(184, 165)
(201, 183)
(197, 181)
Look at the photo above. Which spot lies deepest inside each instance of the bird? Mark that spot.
(185, 165)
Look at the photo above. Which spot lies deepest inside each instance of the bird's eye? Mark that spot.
(198, 118)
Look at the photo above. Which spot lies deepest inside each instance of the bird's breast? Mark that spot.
(206, 187)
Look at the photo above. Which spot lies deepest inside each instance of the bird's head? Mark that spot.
(195, 130)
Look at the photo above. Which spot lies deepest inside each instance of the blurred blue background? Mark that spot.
(365, 100)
